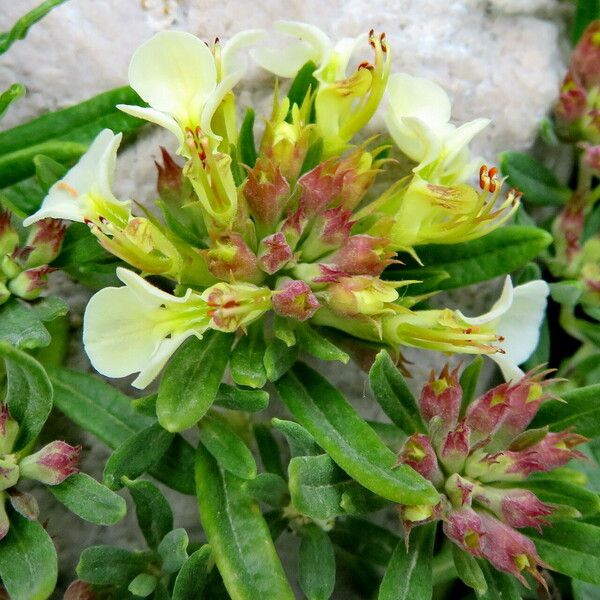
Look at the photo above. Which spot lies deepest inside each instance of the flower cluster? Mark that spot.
(51, 465)
(296, 227)
(479, 462)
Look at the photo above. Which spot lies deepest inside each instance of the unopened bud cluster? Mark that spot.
(479, 462)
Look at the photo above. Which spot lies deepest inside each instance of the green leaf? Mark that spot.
(566, 292)
(268, 448)
(586, 12)
(501, 586)
(394, 397)
(191, 380)
(247, 366)
(468, 382)
(316, 563)
(89, 499)
(192, 577)
(238, 535)
(268, 488)
(580, 410)
(107, 565)
(153, 512)
(28, 393)
(301, 443)
(227, 447)
(538, 184)
(28, 563)
(279, 358)
(502, 251)
(571, 548)
(136, 455)
(469, 570)
(7, 97)
(21, 326)
(21, 27)
(234, 398)
(173, 550)
(348, 440)
(246, 143)
(303, 82)
(314, 343)
(585, 591)
(409, 574)
(108, 414)
(142, 585)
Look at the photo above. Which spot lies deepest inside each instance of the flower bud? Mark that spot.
(508, 550)
(360, 295)
(293, 227)
(45, 240)
(358, 170)
(273, 253)
(516, 507)
(319, 187)
(572, 103)
(295, 299)
(25, 504)
(363, 255)
(459, 491)
(9, 430)
(230, 258)
(171, 185)
(266, 191)
(418, 453)
(585, 60)
(591, 158)
(9, 238)
(465, 529)
(484, 416)
(455, 448)
(329, 231)
(234, 306)
(52, 464)
(9, 472)
(441, 397)
(31, 283)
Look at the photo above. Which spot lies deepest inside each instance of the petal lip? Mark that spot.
(500, 307)
(154, 116)
(230, 49)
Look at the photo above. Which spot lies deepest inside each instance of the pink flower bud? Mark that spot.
(45, 241)
(572, 102)
(320, 186)
(31, 283)
(508, 550)
(266, 190)
(328, 231)
(455, 448)
(363, 255)
(585, 60)
(231, 259)
(52, 464)
(465, 529)
(484, 415)
(170, 183)
(516, 507)
(441, 397)
(418, 453)
(571, 223)
(8, 236)
(273, 253)
(357, 172)
(293, 227)
(234, 306)
(9, 429)
(295, 300)
(459, 491)
(591, 158)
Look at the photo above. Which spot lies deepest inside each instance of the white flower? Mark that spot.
(177, 75)
(516, 316)
(136, 328)
(84, 193)
(418, 119)
(313, 44)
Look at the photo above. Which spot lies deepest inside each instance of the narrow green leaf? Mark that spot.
(409, 575)
(348, 440)
(538, 184)
(246, 141)
(192, 577)
(468, 382)
(48, 171)
(7, 97)
(314, 343)
(21, 27)
(136, 455)
(247, 366)
(154, 515)
(227, 447)
(238, 535)
(28, 393)
(586, 12)
(580, 410)
(268, 488)
(234, 398)
(303, 82)
(107, 565)
(313, 156)
(28, 563)
(469, 570)
(89, 499)
(301, 443)
(394, 397)
(316, 563)
(269, 450)
(502, 251)
(279, 358)
(191, 380)
(173, 550)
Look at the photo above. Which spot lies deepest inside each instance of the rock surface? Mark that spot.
(497, 58)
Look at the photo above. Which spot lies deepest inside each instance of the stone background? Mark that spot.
(497, 58)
